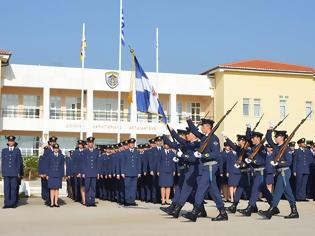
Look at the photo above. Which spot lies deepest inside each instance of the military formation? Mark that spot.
(187, 166)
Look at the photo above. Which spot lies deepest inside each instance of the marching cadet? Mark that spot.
(11, 169)
(69, 174)
(55, 173)
(283, 176)
(131, 172)
(207, 168)
(302, 160)
(90, 167)
(259, 185)
(78, 156)
(166, 173)
(155, 155)
(244, 185)
(232, 173)
(270, 169)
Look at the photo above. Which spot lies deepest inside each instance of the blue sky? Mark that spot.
(194, 35)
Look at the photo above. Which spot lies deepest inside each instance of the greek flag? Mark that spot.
(122, 22)
(147, 100)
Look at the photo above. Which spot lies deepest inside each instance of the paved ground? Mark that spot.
(32, 218)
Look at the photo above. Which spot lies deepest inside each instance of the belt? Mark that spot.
(282, 169)
(259, 169)
(244, 170)
(211, 163)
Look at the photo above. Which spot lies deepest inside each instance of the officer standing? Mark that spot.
(77, 170)
(302, 160)
(90, 167)
(10, 164)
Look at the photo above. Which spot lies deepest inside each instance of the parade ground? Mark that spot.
(33, 218)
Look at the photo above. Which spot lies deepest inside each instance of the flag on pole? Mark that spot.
(83, 44)
(122, 22)
(146, 96)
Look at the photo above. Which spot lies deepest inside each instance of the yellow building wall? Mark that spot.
(268, 87)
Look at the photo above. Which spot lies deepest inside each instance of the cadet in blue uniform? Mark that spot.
(77, 170)
(166, 173)
(90, 167)
(232, 173)
(69, 174)
(149, 177)
(207, 168)
(259, 184)
(141, 184)
(10, 166)
(131, 166)
(55, 173)
(270, 169)
(283, 173)
(302, 160)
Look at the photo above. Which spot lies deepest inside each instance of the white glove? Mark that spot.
(237, 166)
(197, 154)
(175, 159)
(247, 160)
(248, 125)
(179, 153)
(271, 124)
(223, 135)
(274, 163)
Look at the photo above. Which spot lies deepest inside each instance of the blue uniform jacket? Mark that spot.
(270, 169)
(69, 166)
(11, 162)
(77, 157)
(302, 160)
(154, 158)
(231, 158)
(55, 165)
(91, 163)
(166, 163)
(131, 164)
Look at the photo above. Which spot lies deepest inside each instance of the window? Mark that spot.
(31, 106)
(283, 107)
(179, 111)
(55, 107)
(245, 106)
(73, 108)
(195, 112)
(257, 107)
(10, 104)
(308, 108)
(105, 109)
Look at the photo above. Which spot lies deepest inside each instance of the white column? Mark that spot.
(89, 115)
(46, 108)
(173, 108)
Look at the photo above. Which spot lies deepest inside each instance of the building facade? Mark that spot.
(41, 101)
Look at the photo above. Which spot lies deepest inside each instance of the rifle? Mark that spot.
(258, 147)
(206, 142)
(285, 144)
(247, 143)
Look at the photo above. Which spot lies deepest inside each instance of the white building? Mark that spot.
(41, 101)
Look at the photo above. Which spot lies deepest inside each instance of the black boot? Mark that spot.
(169, 208)
(175, 213)
(247, 211)
(294, 213)
(202, 212)
(232, 208)
(276, 211)
(222, 215)
(193, 214)
(270, 212)
(255, 209)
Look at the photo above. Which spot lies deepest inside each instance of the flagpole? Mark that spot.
(119, 66)
(157, 49)
(82, 90)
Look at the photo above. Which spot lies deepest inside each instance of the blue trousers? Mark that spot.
(283, 187)
(130, 189)
(189, 184)
(121, 186)
(10, 185)
(178, 188)
(259, 185)
(45, 191)
(301, 182)
(204, 183)
(155, 189)
(243, 186)
(90, 190)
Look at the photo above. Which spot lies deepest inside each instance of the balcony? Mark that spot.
(68, 114)
(29, 113)
(151, 118)
(101, 115)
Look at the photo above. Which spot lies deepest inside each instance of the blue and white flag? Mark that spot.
(122, 22)
(147, 99)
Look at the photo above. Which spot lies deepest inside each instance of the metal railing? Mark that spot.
(27, 112)
(68, 114)
(110, 115)
(151, 118)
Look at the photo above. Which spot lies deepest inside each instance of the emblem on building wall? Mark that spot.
(111, 79)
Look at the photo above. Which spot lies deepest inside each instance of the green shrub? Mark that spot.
(30, 167)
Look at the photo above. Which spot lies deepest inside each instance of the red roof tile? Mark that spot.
(265, 65)
(5, 52)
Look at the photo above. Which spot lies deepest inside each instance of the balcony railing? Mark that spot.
(110, 115)
(29, 112)
(151, 118)
(68, 114)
